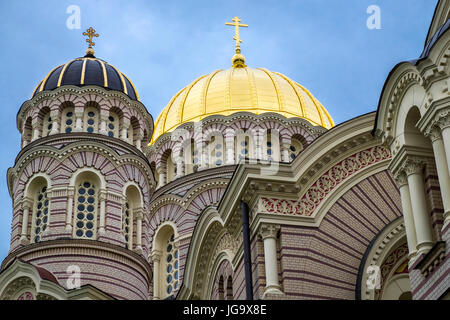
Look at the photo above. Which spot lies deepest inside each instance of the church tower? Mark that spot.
(82, 181)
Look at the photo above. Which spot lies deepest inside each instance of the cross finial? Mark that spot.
(90, 33)
(238, 59)
(236, 24)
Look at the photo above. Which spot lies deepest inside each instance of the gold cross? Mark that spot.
(90, 33)
(236, 24)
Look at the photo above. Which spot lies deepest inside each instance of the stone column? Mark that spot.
(125, 126)
(268, 233)
(36, 130)
(419, 206)
(442, 170)
(444, 124)
(102, 197)
(104, 114)
(284, 148)
(162, 176)
(402, 183)
(156, 258)
(138, 213)
(139, 141)
(258, 138)
(78, 119)
(204, 158)
(55, 115)
(229, 146)
(27, 204)
(70, 196)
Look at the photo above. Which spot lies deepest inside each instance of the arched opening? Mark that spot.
(47, 122)
(87, 189)
(67, 117)
(271, 146)
(244, 145)
(27, 132)
(91, 116)
(296, 147)
(133, 201)
(133, 131)
(37, 191)
(170, 167)
(113, 123)
(413, 137)
(191, 157)
(216, 151)
(168, 264)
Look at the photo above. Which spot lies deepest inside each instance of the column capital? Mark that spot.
(27, 203)
(413, 166)
(102, 194)
(268, 230)
(401, 179)
(138, 213)
(156, 255)
(434, 133)
(442, 119)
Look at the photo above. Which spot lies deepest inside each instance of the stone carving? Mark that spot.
(325, 184)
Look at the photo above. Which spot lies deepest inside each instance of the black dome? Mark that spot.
(88, 71)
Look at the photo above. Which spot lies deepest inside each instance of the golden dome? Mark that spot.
(225, 92)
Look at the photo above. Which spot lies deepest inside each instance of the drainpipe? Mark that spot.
(247, 253)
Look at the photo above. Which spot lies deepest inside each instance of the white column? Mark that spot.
(444, 124)
(405, 196)
(156, 258)
(442, 170)
(102, 196)
(161, 176)
(268, 233)
(258, 138)
(78, 120)
(229, 147)
(69, 210)
(284, 147)
(26, 206)
(138, 213)
(55, 115)
(103, 119)
(36, 131)
(124, 135)
(419, 206)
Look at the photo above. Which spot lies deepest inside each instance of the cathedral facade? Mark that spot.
(243, 187)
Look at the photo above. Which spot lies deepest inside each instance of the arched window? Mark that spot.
(91, 118)
(192, 157)
(172, 266)
(127, 219)
(47, 124)
(229, 288)
(27, 132)
(68, 120)
(133, 201)
(171, 168)
(166, 256)
(216, 151)
(244, 145)
(295, 148)
(272, 147)
(133, 131)
(87, 188)
(41, 208)
(112, 125)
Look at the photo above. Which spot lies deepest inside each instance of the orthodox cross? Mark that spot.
(236, 24)
(90, 33)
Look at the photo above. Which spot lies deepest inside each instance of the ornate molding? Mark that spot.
(325, 184)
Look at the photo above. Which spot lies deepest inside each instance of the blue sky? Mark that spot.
(162, 46)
